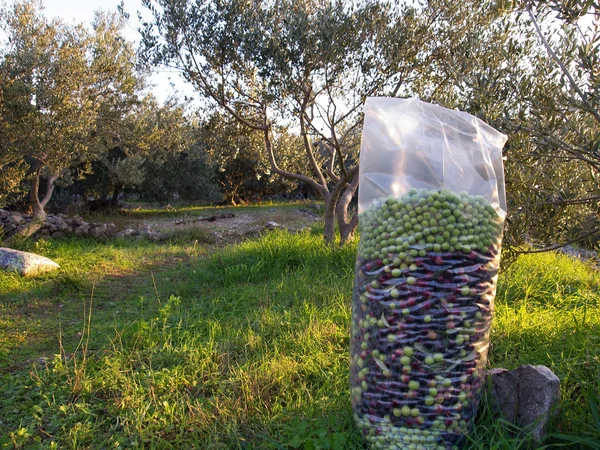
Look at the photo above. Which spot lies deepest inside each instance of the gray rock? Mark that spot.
(505, 393)
(24, 263)
(153, 235)
(98, 231)
(15, 219)
(77, 221)
(527, 397)
(59, 234)
(111, 229)
(61, 225)
(539, 394)
(8, 228)
(130, 232)
(82, 230)
(272, 225)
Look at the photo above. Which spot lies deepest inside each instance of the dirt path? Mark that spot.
(229, 224)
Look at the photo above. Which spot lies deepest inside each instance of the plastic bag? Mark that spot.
(431, 213)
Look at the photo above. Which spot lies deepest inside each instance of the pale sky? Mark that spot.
(82, 11)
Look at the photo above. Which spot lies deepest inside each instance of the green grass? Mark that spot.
(246, 348)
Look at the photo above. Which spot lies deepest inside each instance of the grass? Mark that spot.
(247, 347)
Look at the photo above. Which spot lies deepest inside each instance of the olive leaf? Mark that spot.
(422, 348)
(381, 365)
(385, 322)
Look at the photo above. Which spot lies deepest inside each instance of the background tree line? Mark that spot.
(284, 83)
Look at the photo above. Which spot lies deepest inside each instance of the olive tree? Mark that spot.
(57, 82)
(310, 64)
(146, 134)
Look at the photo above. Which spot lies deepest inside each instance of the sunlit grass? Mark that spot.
(249, 348)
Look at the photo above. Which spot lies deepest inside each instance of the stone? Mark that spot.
(8, 228)
(59, 234)
(77, 221)
(272, 225)
(15, 219)
(82, 230)
(539, 394)
(24, 263)
(98, 231)
(130, 232)
(61, 225)
(111, 229)
(505, 393)
(527, 397)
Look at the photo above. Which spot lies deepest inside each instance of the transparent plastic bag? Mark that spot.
(431, 213)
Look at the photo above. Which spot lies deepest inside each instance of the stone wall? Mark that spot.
(55, 226)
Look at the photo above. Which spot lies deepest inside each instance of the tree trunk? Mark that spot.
(347, 227)
(38, 206)
(329, 231)
(114, 201)
(38, 209)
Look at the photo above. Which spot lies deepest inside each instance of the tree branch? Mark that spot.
(208, 90)
(557, 246)
(284, 173)
(307, 146)
(562, 66)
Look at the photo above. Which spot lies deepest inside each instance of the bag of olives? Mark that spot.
(431, 211)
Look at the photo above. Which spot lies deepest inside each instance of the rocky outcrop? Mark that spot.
(24, 263)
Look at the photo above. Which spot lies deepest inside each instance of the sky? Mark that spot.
(164, 82)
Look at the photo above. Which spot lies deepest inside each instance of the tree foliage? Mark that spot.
(531, 70)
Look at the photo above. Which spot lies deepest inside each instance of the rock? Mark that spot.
(59, 234)
(77, 221)
(130, 232)
(82, 230)
(527, 397)
(8, 228)
(505, 393)
(154, 235)
(111, 229)
(272, 225)
(98, 231)
(539, 393)
(15, 219)
(61, 225)
(24, 263)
